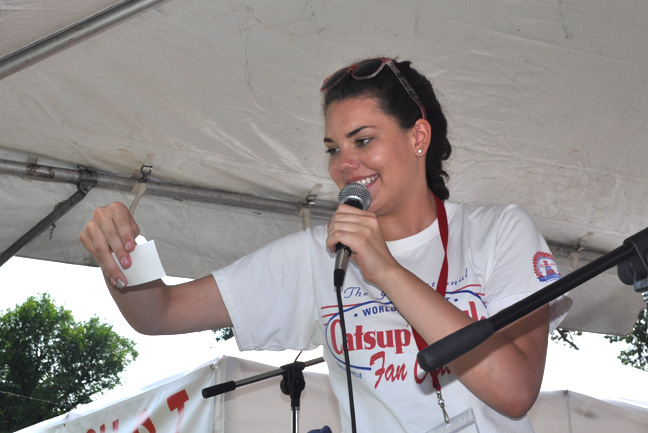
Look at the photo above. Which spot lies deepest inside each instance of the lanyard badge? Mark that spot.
(462, 423)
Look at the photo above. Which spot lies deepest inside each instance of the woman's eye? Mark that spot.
(361, 142)
(332, 150)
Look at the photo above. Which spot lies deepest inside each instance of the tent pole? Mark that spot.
(74, 34)
(84, 185)
(203, 195)
(178, 192)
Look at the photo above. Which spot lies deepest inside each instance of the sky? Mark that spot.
(594, 370)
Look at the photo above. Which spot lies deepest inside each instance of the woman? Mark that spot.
(404, 289)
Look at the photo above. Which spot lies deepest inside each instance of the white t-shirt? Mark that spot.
(282, 297)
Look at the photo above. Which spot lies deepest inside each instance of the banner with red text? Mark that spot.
(171, 408)
(177, 406)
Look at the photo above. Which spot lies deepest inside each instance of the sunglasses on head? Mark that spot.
(368, 69)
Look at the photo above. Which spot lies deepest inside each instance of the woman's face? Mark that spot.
(368, 146)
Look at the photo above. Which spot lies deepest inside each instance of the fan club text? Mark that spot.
(382, 343)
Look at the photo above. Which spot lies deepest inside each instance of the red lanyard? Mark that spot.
(442, 282)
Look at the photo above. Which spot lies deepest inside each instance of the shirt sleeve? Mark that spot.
(269, 296)
(522, 265)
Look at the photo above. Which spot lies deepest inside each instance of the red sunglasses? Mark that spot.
(368, 69)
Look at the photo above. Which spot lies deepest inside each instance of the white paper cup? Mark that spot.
(145, 264)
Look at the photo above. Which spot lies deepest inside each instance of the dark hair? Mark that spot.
(395, 101)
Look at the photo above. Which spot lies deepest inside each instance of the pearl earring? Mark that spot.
(420, 151)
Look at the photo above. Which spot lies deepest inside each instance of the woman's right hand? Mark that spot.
(111, 229)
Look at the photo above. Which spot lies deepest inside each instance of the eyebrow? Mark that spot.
(349, 134)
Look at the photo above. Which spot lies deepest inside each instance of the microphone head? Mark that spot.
(356, 195)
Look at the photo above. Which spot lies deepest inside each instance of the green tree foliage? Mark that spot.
(50, 364)
(637, 353)
(566, 337)
(223, 334)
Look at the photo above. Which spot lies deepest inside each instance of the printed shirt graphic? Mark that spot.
(375, 327)
(545, 266)
(282, 297)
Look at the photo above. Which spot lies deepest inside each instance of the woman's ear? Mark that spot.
(422, 134)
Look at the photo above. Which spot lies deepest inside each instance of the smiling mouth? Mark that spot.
(367, 180)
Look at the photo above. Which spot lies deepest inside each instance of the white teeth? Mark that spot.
(366, 181)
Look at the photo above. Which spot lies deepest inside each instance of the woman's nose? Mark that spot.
(347, 161)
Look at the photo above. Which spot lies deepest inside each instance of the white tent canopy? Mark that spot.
(571, 412)
(547, 103)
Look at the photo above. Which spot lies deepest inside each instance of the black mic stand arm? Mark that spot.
(632, 261)
(292, 384)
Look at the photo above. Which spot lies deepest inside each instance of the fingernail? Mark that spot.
(124, 261)
(129, 245)
(120, 283)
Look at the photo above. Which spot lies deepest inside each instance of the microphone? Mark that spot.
(356, 195)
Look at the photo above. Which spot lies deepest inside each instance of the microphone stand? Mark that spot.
(632, 261)
(292, 384)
